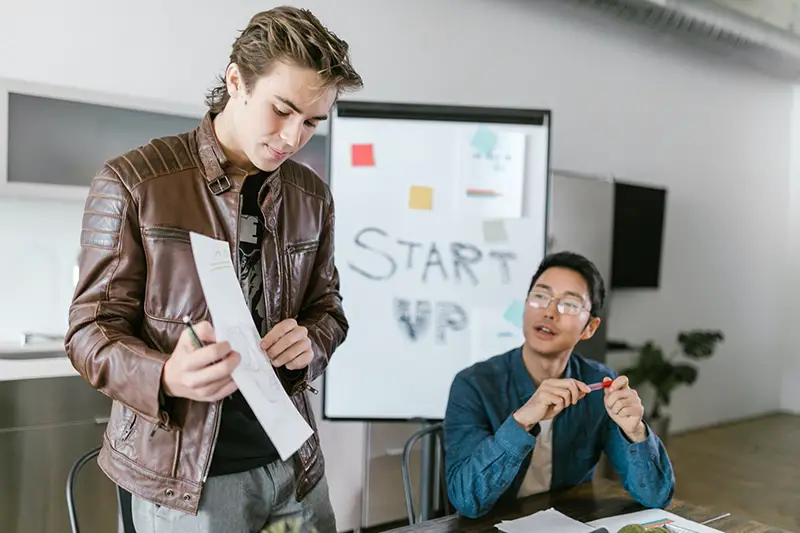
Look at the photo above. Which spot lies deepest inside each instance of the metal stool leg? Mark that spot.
(73, 473)
(433, 431)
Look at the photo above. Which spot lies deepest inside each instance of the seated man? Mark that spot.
(526, 422)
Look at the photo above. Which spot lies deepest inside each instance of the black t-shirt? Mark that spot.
(242, 443)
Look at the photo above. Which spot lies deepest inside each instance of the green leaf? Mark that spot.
(651, 357)
(699, 344)
(635, 375)
(685, 374)
(665, 382)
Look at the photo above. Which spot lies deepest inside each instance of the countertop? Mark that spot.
(46, 360)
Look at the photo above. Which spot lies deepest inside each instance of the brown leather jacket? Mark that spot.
(138, 280)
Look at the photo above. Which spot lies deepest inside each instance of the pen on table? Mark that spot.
(192, 333)
(720, 517)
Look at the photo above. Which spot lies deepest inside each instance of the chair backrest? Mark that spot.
(123, 497)
(436, 432)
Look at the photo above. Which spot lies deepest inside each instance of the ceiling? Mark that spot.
(782, 14)
(763, 34)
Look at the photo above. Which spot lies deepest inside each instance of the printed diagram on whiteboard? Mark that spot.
(492, 173)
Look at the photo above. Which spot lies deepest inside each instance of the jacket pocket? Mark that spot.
(299, 271)
(302, 247)
(173, 287)
(128, 428)
(168, 234)
(121, 425)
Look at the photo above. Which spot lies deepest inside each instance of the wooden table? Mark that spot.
(585, 503)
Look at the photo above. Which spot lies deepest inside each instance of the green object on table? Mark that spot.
(636, 528)
(632, 528)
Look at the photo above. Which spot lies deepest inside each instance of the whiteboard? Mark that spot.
(441, 221)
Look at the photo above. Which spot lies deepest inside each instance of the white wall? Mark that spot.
(716, 136)
(790, 399)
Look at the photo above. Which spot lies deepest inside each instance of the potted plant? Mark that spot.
(664, 374)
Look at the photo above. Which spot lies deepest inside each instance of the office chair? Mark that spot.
(123, 496)
(436, 432)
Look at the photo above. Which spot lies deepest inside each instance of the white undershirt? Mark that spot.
(540, 472)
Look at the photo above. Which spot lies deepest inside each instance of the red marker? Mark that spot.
(606, 383)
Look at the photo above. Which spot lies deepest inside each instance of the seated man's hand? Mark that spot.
(551, 397)
(625, 408)
(287, 344)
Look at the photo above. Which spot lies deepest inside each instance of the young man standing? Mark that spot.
(181, 438)
(526, 422)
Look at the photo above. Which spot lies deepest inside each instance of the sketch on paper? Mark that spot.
(253, 359)
(255, 376)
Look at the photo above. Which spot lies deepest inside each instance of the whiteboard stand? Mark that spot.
(365, 478)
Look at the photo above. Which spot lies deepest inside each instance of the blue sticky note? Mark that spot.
(484, 140)
(514, 313)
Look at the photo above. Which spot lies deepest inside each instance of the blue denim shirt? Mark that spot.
(488, 452)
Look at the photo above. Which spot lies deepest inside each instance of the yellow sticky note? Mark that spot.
(420, 198)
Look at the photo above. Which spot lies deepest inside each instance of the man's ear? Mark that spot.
(590, 328)
(234, 81)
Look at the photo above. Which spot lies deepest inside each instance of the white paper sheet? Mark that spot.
(550, 521)
(491, 334)
(255, 376)
(491, 182)
(652, 516)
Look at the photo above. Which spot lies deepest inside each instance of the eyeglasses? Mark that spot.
(568, 305)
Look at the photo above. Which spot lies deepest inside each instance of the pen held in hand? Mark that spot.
(606, 383)
(193, 334)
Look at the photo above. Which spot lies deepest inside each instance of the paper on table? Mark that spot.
(492, 334)
(550, 521)
(650, 517)
(254, 376)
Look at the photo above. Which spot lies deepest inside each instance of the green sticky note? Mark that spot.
(484, 140)
(513, 314)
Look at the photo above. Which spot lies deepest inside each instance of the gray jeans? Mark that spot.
(249, 502)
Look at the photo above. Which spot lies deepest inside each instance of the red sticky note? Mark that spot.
(363, 155)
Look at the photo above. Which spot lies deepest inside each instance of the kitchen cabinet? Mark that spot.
(53, 140)
(46, 424)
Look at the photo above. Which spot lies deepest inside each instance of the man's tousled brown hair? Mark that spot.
(293, 36)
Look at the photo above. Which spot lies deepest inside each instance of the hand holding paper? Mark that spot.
(255, 377)
(287, 344)
(200, 374)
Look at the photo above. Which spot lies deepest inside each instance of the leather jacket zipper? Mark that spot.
(302, 247)
(171, 234)
(237, 268)
(128, 428)
(284, 273)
